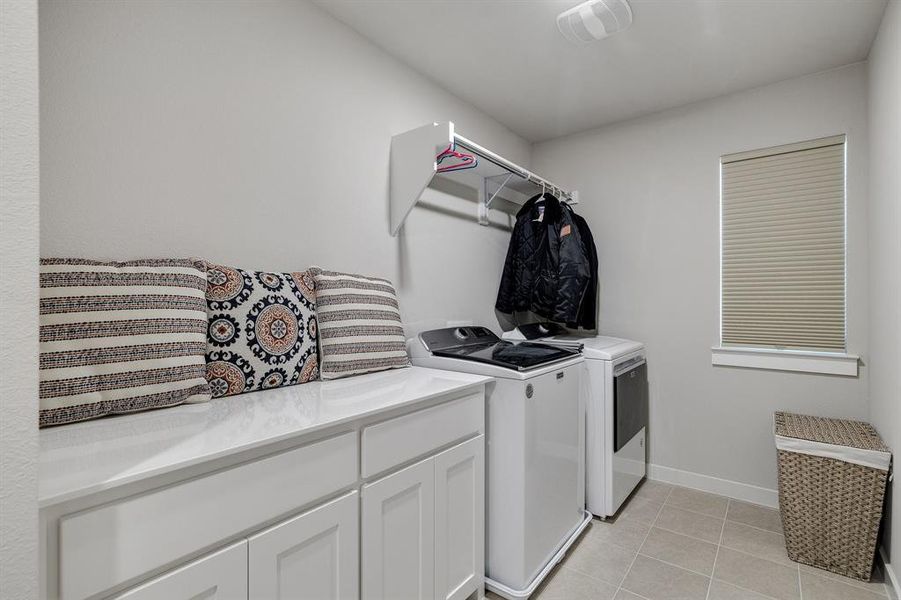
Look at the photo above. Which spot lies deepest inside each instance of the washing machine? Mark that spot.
(535, 464)
(615, 390)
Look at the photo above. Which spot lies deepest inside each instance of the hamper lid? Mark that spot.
(850, 441)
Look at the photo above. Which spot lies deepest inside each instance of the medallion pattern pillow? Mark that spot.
(359, 322)
(120, 337)
(262, 330)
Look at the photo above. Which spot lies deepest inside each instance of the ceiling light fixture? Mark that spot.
(594, 20)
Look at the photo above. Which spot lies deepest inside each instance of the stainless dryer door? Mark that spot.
(630, 414)
(630, 401)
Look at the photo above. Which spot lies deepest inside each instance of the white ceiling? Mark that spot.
(507, 58)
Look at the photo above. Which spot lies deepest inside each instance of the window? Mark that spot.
(783, 249)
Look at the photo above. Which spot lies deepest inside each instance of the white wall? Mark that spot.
(18, 298)
(885, 247)
(649, 189)
(255, 134)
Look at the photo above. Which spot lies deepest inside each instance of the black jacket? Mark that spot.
(588, 311)
(547, 269)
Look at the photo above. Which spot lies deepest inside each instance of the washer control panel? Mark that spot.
(455, 337)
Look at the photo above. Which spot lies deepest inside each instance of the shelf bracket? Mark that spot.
(482, 205)
(486, 198)
(498, 191)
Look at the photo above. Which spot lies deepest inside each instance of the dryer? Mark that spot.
(615, 388)
(535, 475)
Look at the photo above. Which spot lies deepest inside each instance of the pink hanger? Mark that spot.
(467, 161)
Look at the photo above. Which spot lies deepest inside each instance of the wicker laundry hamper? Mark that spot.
(832, 478)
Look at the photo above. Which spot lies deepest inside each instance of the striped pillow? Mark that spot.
(359, 325)
(120, 337)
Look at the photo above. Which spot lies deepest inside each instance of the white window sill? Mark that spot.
(831, 363)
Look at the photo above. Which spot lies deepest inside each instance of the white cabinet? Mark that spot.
(399, 535)
(218, 576)
(423, 528)
(310, 557)
(391, 443)
(393, 509)
(118, 541)
(459, 520)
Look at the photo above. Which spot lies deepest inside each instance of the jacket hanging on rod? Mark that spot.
(548, 267)
(589, 309)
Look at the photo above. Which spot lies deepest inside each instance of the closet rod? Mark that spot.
(514, 168)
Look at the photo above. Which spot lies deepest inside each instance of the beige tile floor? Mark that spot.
(672, 543)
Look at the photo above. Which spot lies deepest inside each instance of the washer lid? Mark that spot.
(600, 347)
(520, 357)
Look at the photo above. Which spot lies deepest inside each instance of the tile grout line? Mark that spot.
(756, 527)
(590, 575)
(716, 558)
(691, 537)
(638, 551)
(680, 567)
(622, 547)
(694, 512)
(709, 516)
(744, 589)
(697, 512)
(835, 580)
(599, 580)
(772, 562)
(629, 592)
(688, 535)
(728, 503)
(835, 577)
(719, 545)
(798, 565)
(720, 542)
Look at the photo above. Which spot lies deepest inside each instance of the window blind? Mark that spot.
(783, 247)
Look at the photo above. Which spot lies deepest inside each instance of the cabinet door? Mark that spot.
(313, 556)
(219, 576)
(399, 535)
(459, 520)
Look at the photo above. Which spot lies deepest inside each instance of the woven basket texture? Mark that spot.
(831, 509)
(841, 432)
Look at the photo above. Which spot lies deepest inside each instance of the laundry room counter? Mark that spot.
(85, 458)
(175, 501)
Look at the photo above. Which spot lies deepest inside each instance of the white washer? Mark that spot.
(616, 406)
(535, 454)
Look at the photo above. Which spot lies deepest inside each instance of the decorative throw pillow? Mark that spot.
(359, 323)
(262, 330)
(120, 337)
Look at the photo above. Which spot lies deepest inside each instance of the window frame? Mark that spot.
(786, 359)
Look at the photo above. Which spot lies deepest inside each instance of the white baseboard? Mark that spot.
(724, 487)
(891, 578)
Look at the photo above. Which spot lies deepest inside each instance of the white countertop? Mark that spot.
(84, 458)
